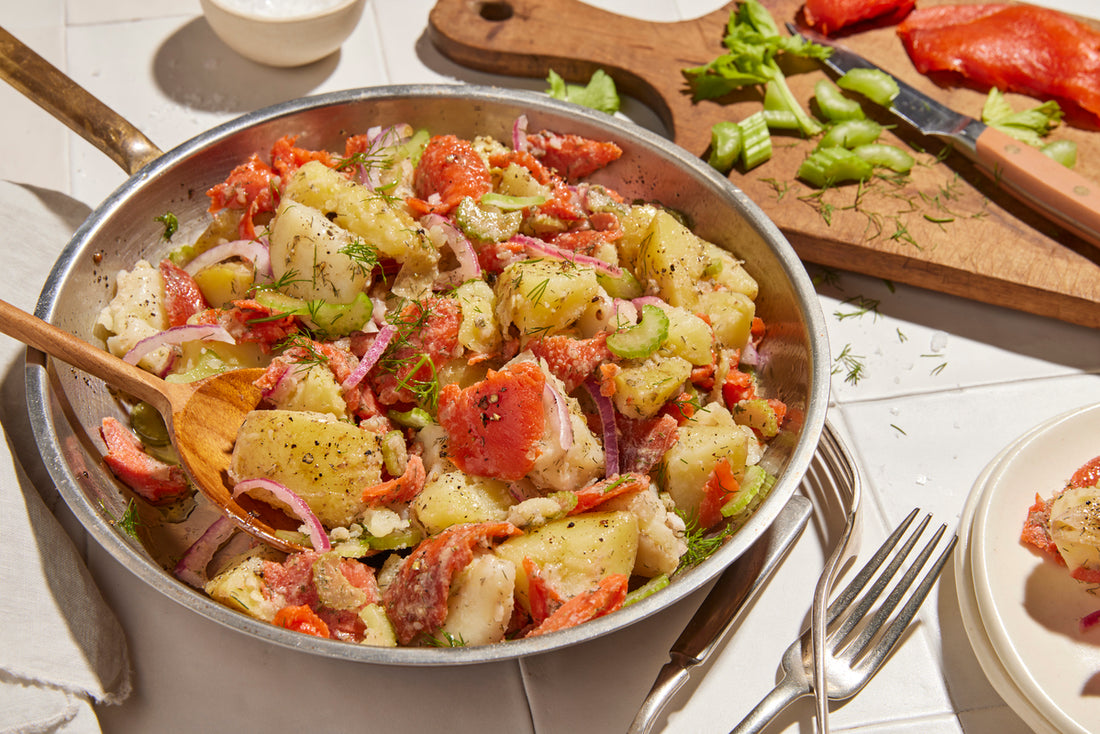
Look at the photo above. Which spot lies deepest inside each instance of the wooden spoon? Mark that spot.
(202, 416)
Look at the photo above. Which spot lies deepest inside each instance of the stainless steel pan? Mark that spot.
(67, 406)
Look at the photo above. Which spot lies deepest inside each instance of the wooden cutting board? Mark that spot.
(947, 228)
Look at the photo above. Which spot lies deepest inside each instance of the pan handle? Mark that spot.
(67, 101)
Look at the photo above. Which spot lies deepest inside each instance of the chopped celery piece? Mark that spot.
(885, 156)
(599, 94)
(756, 141)
(414, 418)
(834, 105)
(332, 319)
(851, 133)
(397, 539)
(483, 225)
(642, 339)
(753, 46)
(649, 588)
(874, 84)
(1063, 151)
(1028, 126)
(755, 485)
(725, 145)
(511, 203)
(626, 286)
(828, 166)
(780, 120)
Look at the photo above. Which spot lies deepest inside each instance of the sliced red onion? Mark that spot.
(191, 568)
(519, 134)
(610, 432)
(317, 535)
(255, 251)
(1090, 620)
(561, 415)
(749, 355)
(543, 247)
(178, 335)
(468, 266)
(370, 357)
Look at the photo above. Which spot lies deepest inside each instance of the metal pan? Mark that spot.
(67, 406)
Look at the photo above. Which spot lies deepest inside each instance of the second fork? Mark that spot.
(856, 648)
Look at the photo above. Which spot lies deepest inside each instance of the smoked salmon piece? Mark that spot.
(494, 426)
(1017, 48)
(156, 481)
(830, 16)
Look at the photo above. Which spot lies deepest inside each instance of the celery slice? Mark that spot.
(755, 485)
(781, 120)
(834, 105)
(626, 286)
(725, 145)
(885, 156)
(874, 84)
(642, 339)
(1063, 151)
(756, 141)
(850, 134)
(828, 166)
(649, 588)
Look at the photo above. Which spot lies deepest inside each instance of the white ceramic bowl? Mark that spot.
(282, 39)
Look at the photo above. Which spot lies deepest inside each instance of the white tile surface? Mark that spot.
(946, 383)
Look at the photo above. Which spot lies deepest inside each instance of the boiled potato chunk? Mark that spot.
(455, 497)
(710, 437)
(641, 388)
(225, 281)
(673, 258)
(309, 256)
(480, 605)
(326, 462)
(731, 315)
(635, 228)
(541, 297)
(688, 337)
(574, 553)
(315, 390)
(364, 213)
(727, 270)
(1075, 527)
(479, 330)
(241, 586)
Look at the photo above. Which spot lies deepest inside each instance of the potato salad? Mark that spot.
(499, 400)
(1066, 526)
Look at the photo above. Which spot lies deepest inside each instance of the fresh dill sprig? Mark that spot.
(863, 307)
(363, 255)
(130, 520)
(171, 225)
(445, 639)
(850, 364)
(700, 545)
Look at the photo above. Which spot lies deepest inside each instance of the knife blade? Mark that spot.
(1037, 180)
(737, 585)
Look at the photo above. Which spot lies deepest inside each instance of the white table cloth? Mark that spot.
(946, 384)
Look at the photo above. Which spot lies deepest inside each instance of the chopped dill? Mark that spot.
(362, 254)
(171, 225)
(288, 278)
(445, 639)
(700, 545)
(781, 187)
(850, 364)
(898, 429)
(862, 304)
(130, 520)
(901, 336)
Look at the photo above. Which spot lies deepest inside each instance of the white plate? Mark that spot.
(1027, 606)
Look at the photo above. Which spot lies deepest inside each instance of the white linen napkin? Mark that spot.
(61, 648)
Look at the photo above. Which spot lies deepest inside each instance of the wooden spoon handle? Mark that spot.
(530, 37)
(72, 350)
(45, 85)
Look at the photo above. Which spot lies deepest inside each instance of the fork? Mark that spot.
(855, 651)
(845, 473)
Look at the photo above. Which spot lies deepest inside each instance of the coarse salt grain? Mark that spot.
(281, 8)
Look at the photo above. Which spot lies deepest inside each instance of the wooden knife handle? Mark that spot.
(530, 37)
(1042, 183)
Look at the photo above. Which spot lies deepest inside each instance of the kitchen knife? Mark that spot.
(1037, 180)
(736, 586)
